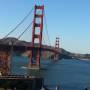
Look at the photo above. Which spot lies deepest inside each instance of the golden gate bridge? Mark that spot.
(37, 38)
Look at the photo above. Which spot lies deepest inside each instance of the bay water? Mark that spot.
(69, 74)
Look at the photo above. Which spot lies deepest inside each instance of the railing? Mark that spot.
(19, 76)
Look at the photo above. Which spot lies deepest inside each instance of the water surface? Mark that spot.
(69, 74)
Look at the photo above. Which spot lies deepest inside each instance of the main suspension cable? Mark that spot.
(47, 29)
(19, 23)
(23, 32)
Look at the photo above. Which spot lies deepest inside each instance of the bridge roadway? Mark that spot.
(26, 48)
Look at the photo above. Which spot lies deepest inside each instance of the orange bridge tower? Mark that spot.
(37, 31)
(56, 56)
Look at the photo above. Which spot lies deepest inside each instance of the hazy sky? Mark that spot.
(68, 19)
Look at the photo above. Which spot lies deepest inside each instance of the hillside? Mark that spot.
(64, 54)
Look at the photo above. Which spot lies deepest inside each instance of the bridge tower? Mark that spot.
(37, 37)
(56, 56)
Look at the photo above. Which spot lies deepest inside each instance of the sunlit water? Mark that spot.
(69, 74)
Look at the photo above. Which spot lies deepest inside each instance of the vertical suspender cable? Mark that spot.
(43, 40)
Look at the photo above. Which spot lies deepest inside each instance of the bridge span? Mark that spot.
(36, 46)
(4, 47)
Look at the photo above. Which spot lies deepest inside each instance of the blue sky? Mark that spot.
(68, 19)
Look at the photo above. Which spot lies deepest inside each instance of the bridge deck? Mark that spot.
(24, 48)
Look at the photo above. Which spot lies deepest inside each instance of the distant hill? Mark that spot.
(11, 40)
(64, 54)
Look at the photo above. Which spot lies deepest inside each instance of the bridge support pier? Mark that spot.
(4, 63)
